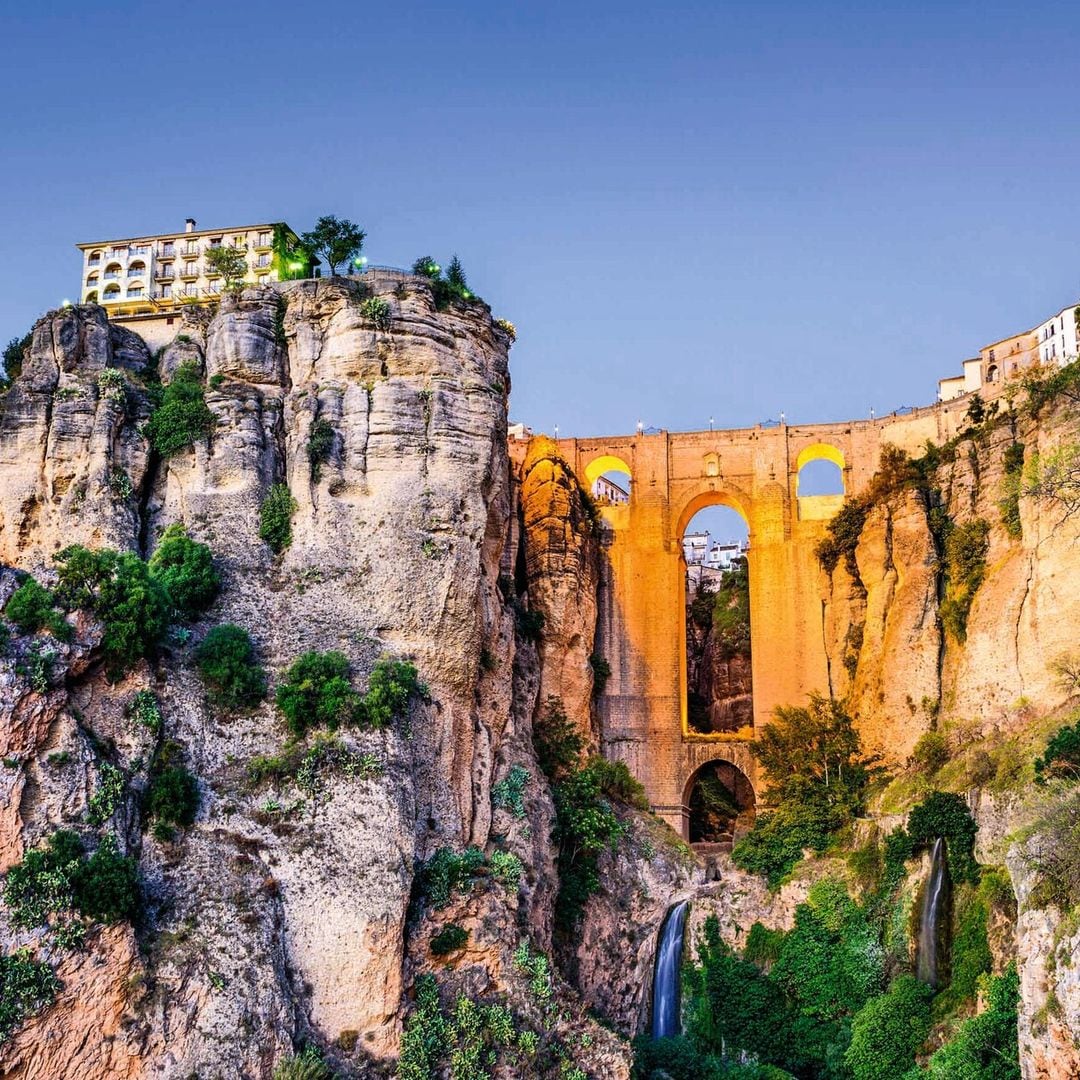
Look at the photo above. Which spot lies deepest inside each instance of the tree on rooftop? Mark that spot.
(337, 240)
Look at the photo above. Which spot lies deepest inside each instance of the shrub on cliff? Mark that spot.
(32, 607)
(118, 588)
(275, 518)
(171, 800)
(182, 418)
(58, 879)
(947, 815)
(317, 692)
(230, 669)
(307, 1065)
(186, 569)
(965, 566)
(889, 1030)
(1061, 758)
(14, 353)
(985, 1047)
(818, 779)
(26, 987)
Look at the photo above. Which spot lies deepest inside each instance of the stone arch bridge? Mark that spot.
(642, 627)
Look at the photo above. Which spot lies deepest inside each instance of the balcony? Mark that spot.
(264, 243)
(263, 263)
(111, 275)
(166, 273)
(189, 272)
(168, 251)
(190, 249)
(136, 271)
(141, 249)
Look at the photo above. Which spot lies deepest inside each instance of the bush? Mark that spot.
(557, 741)
(509, 793)
(1055, 855)
(1009, 503)
(391, 684)
(26, 987)
(617, 782)
(182, 418)
(229, 668)
(965, 566)
(118, 588)
(307, 1065)
(601, 670)
(275, 518)
(889, 1030)
(931, 752)
(985, 1047)
(376, 310)
(107, 886)
(1061, 756)
(14, 353)
(172, 796)
(818, 779)
(506, 869)
(447, 872)
(317, 692)
(110, 792)
(319, 446)
(449, 939)
(58, 879)
(33, 607)
(946, 815)
(186, 570)
(763, 945)
(970, 952)
(144, 710)
(842, 535)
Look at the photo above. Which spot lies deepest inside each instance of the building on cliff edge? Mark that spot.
(144, 282)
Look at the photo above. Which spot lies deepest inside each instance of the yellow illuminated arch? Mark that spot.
(820, 452)
(605, 464)
(727, 497)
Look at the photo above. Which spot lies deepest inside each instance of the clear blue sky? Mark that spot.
(688, 209)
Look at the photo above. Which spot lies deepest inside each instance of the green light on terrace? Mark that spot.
(296, 266)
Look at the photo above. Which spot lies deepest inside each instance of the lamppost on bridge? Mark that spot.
(640, 427)
(710, 423)
(556, 432)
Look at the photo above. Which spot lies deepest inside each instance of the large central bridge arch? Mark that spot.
(755, 470)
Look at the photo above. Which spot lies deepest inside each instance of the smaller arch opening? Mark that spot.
(820, 471)
(992, 373)
(608, 479)
(720, 803)
(92, 297)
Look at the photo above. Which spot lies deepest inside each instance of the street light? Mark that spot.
(556, 432)
(640, 427)
(361, 264)
(710, 423)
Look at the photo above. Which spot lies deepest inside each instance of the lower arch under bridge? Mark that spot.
(641, 627)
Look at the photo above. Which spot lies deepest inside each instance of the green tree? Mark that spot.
(317, 692)
(183, 417)
(14, 354)
(118, 588)
(427, 267)
(889, 1030)
(275, 518)
(230, 669)
(32, 607)
(26, 987)
(186, 569)
(231, 263)
(337, 240)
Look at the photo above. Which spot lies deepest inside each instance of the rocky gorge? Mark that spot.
(416, 894)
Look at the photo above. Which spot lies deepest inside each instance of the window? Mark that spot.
(263, 279)
(168, 250)
(92, 280)
(191, 269)
(134, 291)
(166, 292)
(264, 239)
(215, 241)
(239, 241)
(95, 258)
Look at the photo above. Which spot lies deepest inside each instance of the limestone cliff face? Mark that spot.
(268, 926)
(887, 650)
(562, 570)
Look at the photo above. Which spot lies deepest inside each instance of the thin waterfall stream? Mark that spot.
(931, 927)
(666, 1020)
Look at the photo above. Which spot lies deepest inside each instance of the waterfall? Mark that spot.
(665, 1010)
(934, 908)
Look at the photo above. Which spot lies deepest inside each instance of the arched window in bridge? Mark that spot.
(719, 801)
(820, 471)
(609, 481)
(719, 689)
